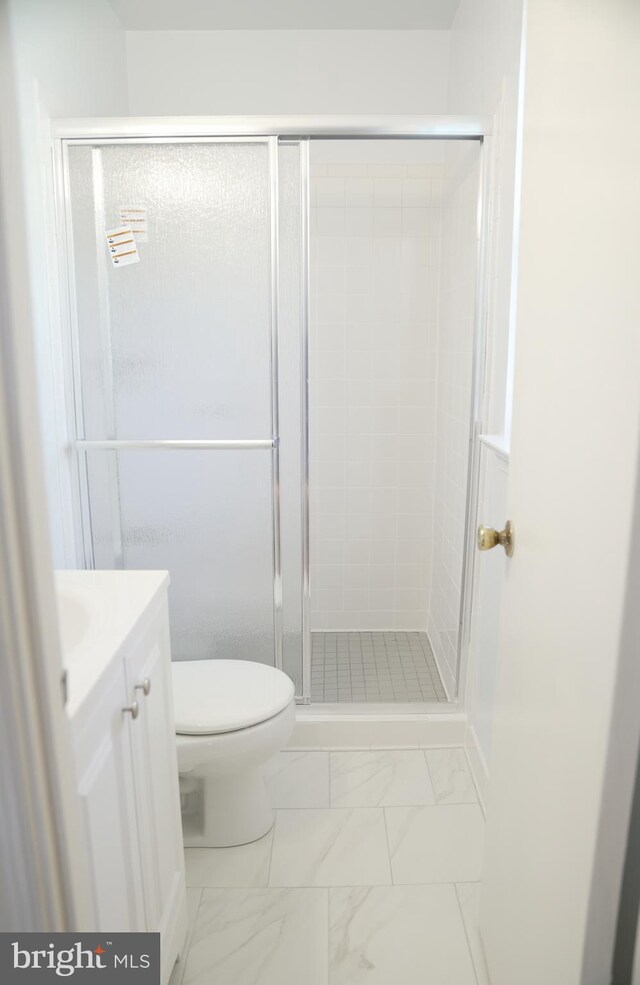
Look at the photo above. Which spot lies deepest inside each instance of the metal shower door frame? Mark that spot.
(141, 130)
(81, 446)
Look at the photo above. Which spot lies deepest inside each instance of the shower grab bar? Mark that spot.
(226, 444)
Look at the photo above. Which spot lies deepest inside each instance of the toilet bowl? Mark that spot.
(231, 717)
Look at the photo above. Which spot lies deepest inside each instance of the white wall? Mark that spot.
(303, 72)
(484, 78)
(376, 221)
(73, 53)
(70, 60)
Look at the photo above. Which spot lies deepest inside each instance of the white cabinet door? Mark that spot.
(102, 749)
(155, 765)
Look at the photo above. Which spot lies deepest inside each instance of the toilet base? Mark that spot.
(234, 810)
(223, 794)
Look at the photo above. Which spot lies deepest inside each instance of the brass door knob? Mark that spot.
(488, 538)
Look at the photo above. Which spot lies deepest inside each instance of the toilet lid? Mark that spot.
(211, 696)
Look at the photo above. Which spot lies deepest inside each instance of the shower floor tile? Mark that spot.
(373, 667)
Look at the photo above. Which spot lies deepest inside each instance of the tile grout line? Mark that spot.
(329, 934)
(466, 933)
(373, 748)
(370, 807)
(333, 885)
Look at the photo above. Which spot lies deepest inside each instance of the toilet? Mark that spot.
(231, 717)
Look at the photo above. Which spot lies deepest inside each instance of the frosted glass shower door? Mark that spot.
(176, 372)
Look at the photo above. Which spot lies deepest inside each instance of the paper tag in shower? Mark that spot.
(122, 246)
(135, 217)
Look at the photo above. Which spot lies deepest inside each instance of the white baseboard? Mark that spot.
(317, 731)
(477, 765)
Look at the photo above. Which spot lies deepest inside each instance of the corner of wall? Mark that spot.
(66, 57)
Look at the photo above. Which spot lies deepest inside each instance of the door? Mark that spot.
(176, 379)
(489, 573)
(549, 904)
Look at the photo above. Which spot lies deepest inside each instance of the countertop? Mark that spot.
(98, 610)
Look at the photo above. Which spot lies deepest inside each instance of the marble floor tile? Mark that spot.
(469, 899)
(398, 935)
(243, 865)
(435, 844)
(336, 847)
(450, 776)
(193, 902)
(379, 779)
(299, 779)
(259, 937)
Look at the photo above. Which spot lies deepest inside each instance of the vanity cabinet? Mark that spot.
(155, 773)
(103, 754)
(124, 750)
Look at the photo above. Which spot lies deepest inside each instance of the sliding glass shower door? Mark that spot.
(174, 286)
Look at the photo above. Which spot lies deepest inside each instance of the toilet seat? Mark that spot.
(214, 696)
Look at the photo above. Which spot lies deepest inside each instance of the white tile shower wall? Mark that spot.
(454, 369)
(374, 275)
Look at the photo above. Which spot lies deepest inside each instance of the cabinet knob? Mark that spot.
(145, 687)
(133, 709)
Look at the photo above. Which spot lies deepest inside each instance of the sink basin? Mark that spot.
(80, 615)
(97, 612)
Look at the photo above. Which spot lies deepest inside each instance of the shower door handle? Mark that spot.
(179, 444)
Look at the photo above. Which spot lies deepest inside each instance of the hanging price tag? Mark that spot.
(122, 246)
(135, 218)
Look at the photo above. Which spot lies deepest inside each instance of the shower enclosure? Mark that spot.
(393, 261)
(202, 390)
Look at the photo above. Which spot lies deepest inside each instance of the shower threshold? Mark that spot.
(374, 668)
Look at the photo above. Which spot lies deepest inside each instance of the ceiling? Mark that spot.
(202, 15)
